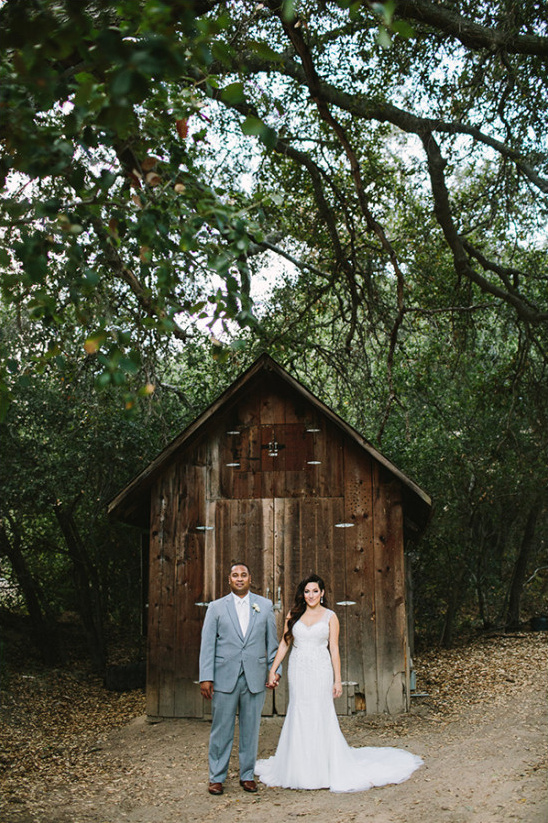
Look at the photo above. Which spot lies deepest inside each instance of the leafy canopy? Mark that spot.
(154, 152)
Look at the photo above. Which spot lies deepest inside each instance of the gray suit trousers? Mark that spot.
(224, 707)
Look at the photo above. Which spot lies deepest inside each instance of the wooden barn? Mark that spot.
(271, 476)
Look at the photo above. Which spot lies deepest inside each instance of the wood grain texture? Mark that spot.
(281, 514)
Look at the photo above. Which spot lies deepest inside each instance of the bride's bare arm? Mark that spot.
(283, 648)
(335, 654)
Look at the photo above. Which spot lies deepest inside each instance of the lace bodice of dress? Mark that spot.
(307, 639)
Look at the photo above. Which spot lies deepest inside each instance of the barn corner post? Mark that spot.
(410, 611)
(393, 671)
(271, 476)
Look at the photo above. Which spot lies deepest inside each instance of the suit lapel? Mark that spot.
(231, 608)
(252, 618)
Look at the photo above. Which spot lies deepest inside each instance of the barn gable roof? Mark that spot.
(131, 504)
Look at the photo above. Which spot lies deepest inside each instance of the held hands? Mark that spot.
(337, 688)
(273, 680)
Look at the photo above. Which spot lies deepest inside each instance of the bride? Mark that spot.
(312, 752)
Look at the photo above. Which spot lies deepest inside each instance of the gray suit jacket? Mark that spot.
(224, 652)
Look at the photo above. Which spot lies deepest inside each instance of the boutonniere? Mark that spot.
(256, 608)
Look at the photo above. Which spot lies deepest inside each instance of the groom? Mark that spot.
(239, 643)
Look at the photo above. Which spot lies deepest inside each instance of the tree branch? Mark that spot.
(409, 123)
(119, 268)
(325, 94)
(442, 208)
(294, 32)
(472, 35)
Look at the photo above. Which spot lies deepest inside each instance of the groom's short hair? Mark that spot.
(239, 563)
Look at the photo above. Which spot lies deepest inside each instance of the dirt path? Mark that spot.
(482, 732)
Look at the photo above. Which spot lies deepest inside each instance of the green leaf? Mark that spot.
(288, 10)
(269, 137)
(383, 38)
(222, 52)
(263, 50)
(403, 28)
(91, 277)
(103, 380)
(107, 179)
(233, 94)
(253, 126)
(129, 366)
(122, 83)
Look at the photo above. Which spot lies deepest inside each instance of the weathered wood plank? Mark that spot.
(315, 461)
(273, 412)
(222, 548)
(254, 539)
(210, 553)
(308, 516)
(267, 546)
(248, 481)
(332, 542)
(279, 515)
(398, 697)
(239, 532)
(361, 627)
(390, 604)
(296, 447)
(268, 571)
(167, 622)
(154, 603)
(287, 573)
(189, 587)
(328, 447)
(249, 408)
(263, 552)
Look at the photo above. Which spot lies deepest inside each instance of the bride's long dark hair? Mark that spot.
(299, 606)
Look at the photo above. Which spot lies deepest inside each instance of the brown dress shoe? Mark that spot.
(215, 788)
(248, 785)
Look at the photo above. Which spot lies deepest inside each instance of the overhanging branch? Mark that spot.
(442, 208)
(472, 35)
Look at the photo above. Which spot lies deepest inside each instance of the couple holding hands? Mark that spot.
(240, 658)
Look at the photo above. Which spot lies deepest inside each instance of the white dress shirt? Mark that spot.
(242, 610)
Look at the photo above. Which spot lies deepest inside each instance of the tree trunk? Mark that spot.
(87, 587)
(520, 569)
(490, 544)
(43, 629)
(455, 599)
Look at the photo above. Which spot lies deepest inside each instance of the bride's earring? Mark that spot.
(321, 599)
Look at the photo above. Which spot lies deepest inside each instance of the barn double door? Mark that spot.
(283, 540)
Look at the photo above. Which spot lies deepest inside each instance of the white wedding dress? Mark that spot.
(312, 752)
